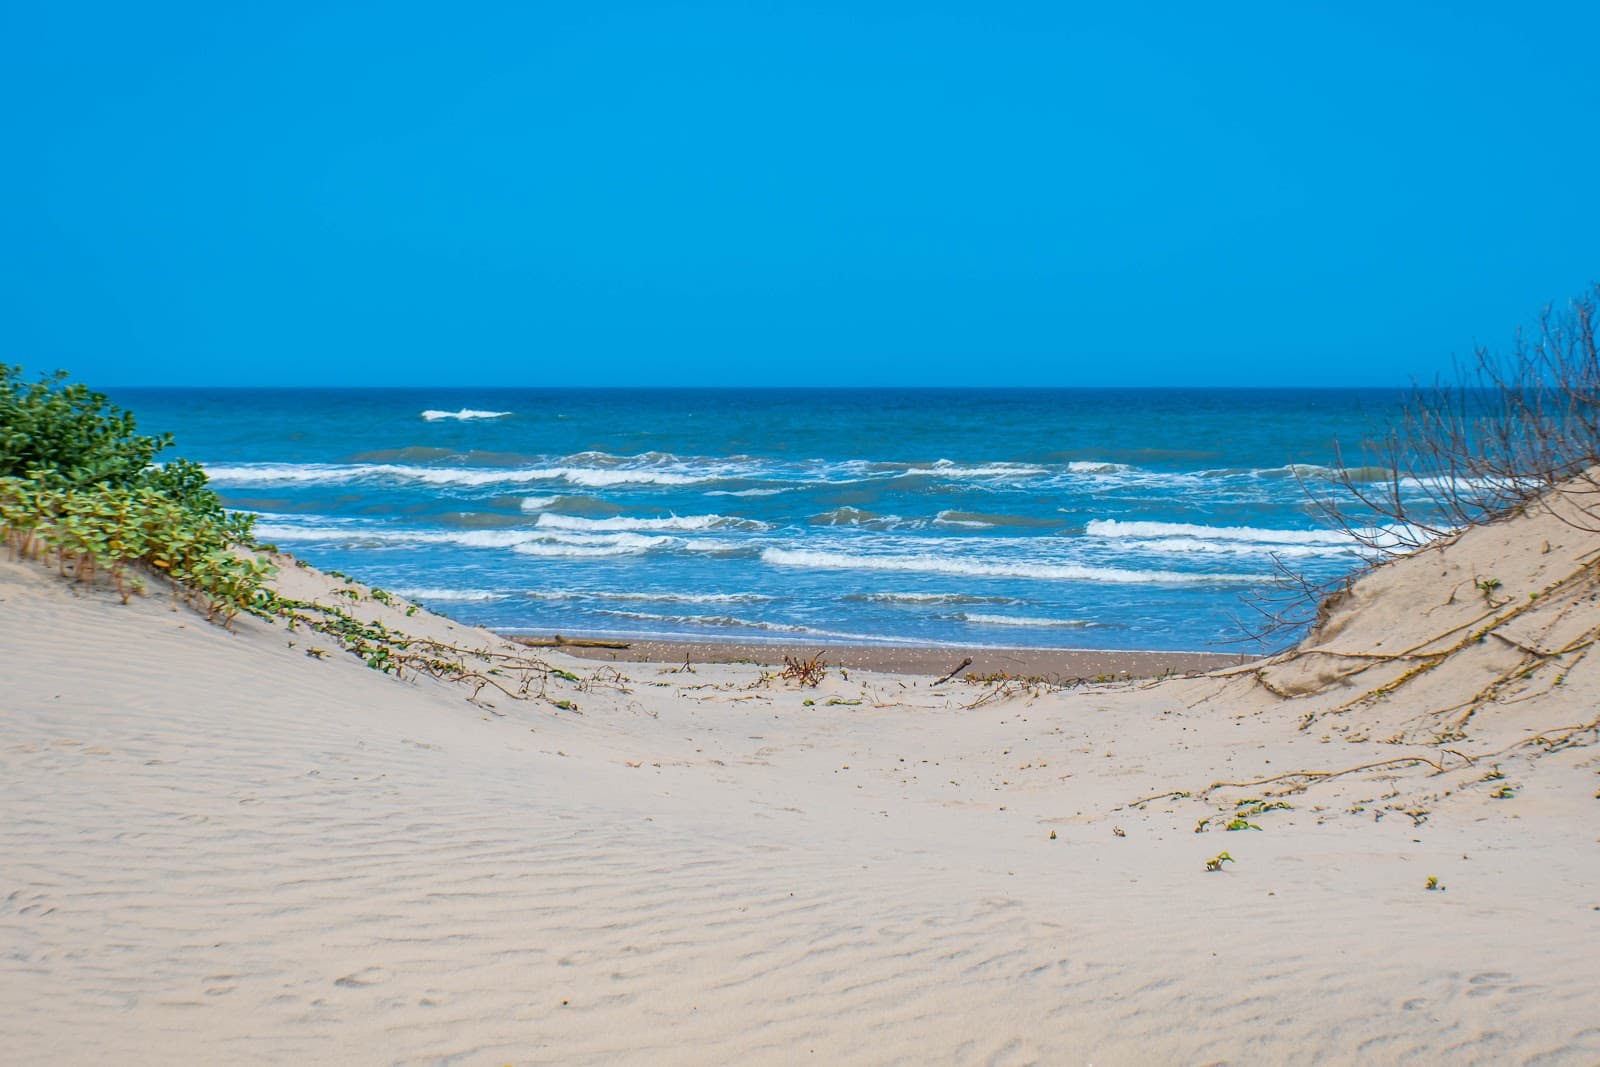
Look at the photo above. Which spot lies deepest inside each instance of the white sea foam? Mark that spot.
(1450, 485)
(273, 473)
(334, 473)
(945, 468)
(1202, 546)
(1114, 529)
(948, 518)
(685, 598)
(1094, 466)
(625, 544)
(275, 532)
(853, 516)
(534, 503)
(684, 523)
(931, 598)
(1020, 620)
(733, 623)
(632, 476)
(944, 564)
(710, 620)
(464, 414)
(749, 492)
(450, 594)
(1299, 470)
(530, 542)
(716, 545)
(1180, 537)
(1402, 537)
(653, 598)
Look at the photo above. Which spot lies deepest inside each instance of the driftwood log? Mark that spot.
(963, 665)
(557, 641)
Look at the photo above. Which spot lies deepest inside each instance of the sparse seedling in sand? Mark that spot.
(808, 672)
(1434, 885)
(1251, 808)
(1215, 862)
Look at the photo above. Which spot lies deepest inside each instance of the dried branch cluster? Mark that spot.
(1511, 429)
(1461, 652)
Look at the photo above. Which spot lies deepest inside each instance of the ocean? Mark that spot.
(1097, 519)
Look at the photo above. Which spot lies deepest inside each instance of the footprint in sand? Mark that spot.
(367, 976)
(1488, 983)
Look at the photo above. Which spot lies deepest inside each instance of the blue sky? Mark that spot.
(752, 194)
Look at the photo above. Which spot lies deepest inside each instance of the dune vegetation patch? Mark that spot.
(80, 487)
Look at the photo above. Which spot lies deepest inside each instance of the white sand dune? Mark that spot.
(217, 848)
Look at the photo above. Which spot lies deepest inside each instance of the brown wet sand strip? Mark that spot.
(1053, 663)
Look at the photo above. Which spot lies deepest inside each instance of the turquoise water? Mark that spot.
(1053, 518)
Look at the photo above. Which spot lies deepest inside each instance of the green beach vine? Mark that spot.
(79, 483)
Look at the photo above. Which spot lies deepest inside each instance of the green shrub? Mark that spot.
(78, 480)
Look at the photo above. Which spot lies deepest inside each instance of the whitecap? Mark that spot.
(464, 414)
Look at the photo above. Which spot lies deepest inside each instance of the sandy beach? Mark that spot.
(248, 847)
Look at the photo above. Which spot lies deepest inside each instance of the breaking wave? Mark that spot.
(1020, 620)
(1114, 528)
(930, 598)
(337, 473)
(683, 523)
(450, 594)
(933, 564)
(528, 542)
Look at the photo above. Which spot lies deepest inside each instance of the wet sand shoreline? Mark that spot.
(1052, 663)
